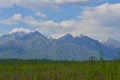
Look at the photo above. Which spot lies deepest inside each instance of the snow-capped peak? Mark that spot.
(111, 43)
(20, 30)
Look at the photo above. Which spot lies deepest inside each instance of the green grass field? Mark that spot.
(55, 70)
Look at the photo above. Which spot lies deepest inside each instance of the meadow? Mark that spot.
(59, 70)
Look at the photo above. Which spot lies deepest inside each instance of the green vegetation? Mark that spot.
(59, 70)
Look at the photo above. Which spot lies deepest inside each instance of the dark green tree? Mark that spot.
(119, 56)
(101, 57)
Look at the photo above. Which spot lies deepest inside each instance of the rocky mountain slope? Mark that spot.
(34, 45)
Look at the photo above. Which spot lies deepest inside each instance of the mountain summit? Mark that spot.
(112, 43)
(34, 45)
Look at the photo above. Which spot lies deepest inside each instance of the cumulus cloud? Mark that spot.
(11, 2)
(44, 26)
(6, 3)
(35, 4)
(47, 4)
(39, 14)
(104, 18)
(17, 17)
(98, 22)
(20, 30)
(13, 20)
(106, 14)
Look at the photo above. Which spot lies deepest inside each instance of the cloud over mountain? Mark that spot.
(98, 21)
(12, 20)
(20, 30)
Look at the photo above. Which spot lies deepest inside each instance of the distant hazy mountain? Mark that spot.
(112, 43)
(33, 45)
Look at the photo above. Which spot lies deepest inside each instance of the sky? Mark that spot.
(98, 19)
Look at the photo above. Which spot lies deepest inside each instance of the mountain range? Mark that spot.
(34, 45)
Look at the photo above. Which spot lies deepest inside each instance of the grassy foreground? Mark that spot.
(54, 70)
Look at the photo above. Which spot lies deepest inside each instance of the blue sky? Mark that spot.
(98, 19)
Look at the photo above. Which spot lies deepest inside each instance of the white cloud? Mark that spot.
(65, 1)
(17, 17)
(20, 30)
(104, 18)
(98, 22)
(39, 14)
(6, 3)
(45, 4)
(106, 15)
(12, 20)
(43, 26)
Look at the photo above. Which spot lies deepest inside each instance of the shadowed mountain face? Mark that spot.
(34, 45)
